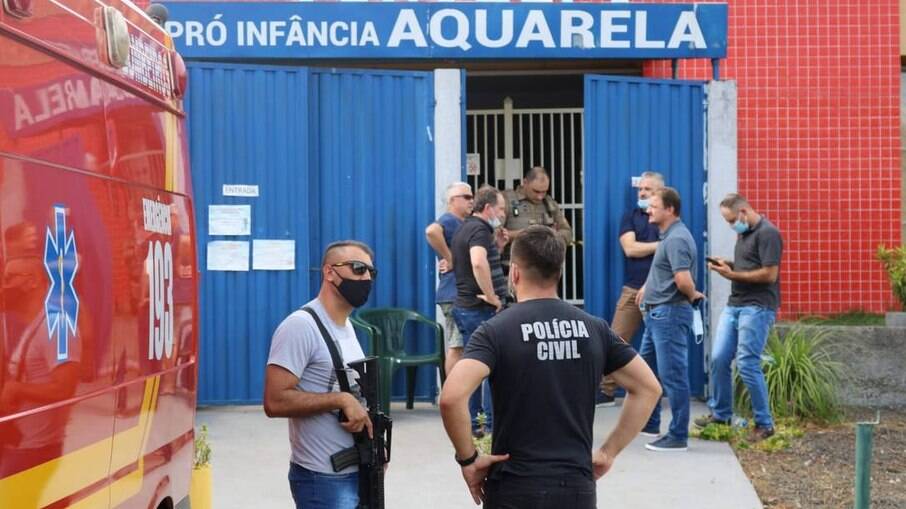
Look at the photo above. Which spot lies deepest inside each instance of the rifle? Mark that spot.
(370, 454)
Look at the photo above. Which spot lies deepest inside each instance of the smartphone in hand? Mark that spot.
(715, 261)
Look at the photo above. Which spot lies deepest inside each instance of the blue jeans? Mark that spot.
(665, 348)
(741, 334)
(467, 320)
(316, 490)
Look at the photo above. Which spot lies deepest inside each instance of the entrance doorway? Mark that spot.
(516, 122)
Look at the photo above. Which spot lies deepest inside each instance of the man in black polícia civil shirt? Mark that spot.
(544, 359)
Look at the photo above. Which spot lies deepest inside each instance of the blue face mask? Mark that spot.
(740, 227)
(643, 203)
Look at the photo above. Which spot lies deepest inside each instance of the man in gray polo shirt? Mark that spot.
(666, 301)
(742, 332)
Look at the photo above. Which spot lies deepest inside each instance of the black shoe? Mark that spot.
(651, 431)
(667, 444)
(478, 432)
(705, 420)
(603, 400)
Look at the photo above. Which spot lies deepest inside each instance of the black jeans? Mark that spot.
(512, 492)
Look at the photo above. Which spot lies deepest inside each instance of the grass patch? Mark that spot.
(849, 318)
(786, 431)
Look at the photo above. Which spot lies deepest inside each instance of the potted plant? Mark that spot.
(894, 261)
(201, 488)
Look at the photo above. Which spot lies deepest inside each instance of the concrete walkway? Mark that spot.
(251, 455)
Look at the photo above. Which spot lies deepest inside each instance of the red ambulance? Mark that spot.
(98, 306)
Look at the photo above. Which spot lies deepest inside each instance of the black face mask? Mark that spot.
(355, 291)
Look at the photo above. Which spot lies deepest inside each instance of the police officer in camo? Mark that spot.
(528, 205)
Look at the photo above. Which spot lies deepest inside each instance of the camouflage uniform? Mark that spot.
(522, 213)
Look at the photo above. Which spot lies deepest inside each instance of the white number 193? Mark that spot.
(159, 267)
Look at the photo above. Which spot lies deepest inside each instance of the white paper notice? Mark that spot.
(230, 255)
(473, 164)
(273, 254)
(249, 191)
(229, 219)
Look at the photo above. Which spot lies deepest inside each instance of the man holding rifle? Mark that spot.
(327, 417)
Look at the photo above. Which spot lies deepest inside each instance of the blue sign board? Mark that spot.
(462, 31)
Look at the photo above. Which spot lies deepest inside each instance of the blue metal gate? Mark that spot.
(335, 154)
(633, 125)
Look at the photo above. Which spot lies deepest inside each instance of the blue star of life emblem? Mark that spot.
(61, 306)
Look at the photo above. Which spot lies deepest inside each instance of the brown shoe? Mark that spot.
(759, 433)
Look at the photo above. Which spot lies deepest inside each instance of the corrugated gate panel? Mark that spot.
(373, 179)
(236, 139)
(633, 125)
(335, 155)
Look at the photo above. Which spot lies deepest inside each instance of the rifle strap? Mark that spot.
(342, 376)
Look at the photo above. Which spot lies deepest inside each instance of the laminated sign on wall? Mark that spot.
(273, 254)
(229, 220)
(228, 255)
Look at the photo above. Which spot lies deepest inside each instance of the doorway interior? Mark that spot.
(517, 121)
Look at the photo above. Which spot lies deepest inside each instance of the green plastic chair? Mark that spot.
(385, 328)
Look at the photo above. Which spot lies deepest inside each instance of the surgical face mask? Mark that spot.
(355, 291)
(643, 203)
(494, 222)
(740, 226)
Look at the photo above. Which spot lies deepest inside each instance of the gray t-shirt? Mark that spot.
(675, 253)
(762, 246)
(297, 346)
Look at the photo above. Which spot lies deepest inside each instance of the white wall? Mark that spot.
(448, 148)
(722, 164)
(447, 133)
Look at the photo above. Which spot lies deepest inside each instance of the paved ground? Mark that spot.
(251, 461)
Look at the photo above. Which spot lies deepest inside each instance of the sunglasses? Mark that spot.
(358, 268)
(464, 196)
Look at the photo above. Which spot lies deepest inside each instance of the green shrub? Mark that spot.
(202, 448)
(894, 262)
(800, 374)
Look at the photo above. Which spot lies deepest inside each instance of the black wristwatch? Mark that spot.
(468, 461)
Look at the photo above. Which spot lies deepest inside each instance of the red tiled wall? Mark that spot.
(819, 140)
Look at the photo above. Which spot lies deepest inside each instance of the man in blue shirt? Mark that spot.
(440, 238)
(667, 299)
(638, 238)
